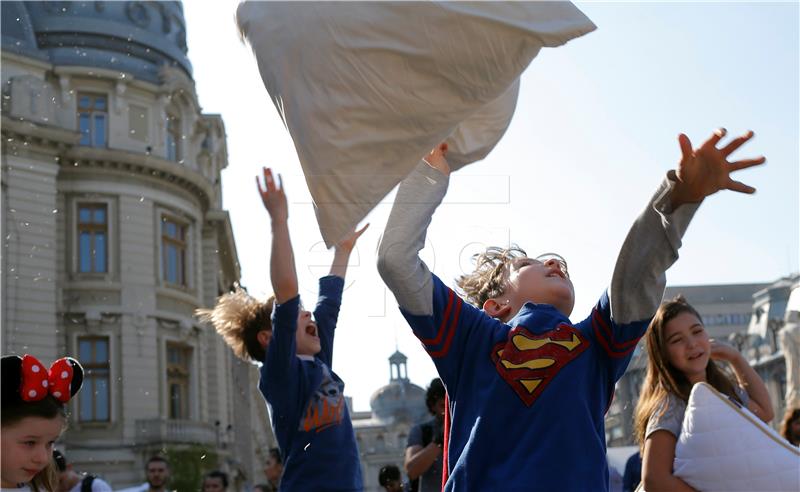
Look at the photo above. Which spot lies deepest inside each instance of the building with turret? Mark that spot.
(114, 233)
(382, 433)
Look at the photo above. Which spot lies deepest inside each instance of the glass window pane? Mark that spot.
(85, 252)
(99, 215)
(83, 123)
(100, 103)
(84, 102)
(101, 398)
(84, 214)
(100, 252)
(85, 351)
(86, 393)
(101, 351)
(99, 130)
(170, 228)
(181, 264)
(172, 264)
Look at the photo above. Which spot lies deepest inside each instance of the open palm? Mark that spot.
(706, 170)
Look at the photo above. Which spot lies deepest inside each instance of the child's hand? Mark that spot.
(436, 159)
(348, 243)
(723, 351)
(706, 170)
(273, 197)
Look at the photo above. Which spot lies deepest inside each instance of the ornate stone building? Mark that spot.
(382, 433)
(113, 233)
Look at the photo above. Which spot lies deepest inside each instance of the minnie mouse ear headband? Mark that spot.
(25, 379)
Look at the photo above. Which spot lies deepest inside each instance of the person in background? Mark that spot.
(423, 460)
(680, 355)
(71, 481)
(273, 469)
(215, 481)
(633, 473)
(158, 475)
(390, 479)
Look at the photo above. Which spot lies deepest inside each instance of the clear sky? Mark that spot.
(595, 129)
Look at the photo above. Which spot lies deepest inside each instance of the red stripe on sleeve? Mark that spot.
(440, 333)
(450, 332)
(598, 320)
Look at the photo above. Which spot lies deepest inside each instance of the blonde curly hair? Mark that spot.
(488, 280)
(238, 317)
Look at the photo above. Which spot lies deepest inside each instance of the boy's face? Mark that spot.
(307, 338)
(532, 280)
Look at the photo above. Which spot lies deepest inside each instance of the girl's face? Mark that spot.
(27, 448)
(688, 346)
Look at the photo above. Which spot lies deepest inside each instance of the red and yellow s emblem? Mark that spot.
(528, 362)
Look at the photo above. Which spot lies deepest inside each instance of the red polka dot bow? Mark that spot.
(37, 381)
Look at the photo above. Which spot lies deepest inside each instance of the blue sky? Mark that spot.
(594, 131)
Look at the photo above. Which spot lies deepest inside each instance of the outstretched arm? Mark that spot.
(652, 244)
(281, 261)
(760, 403)
(399, 264)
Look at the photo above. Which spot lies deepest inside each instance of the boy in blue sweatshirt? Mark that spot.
(527, 387)
(309, 414)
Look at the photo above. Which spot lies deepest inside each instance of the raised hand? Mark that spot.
(272, 196)
(436, 159)
(723, 351)
(349, 242)
(706, 170)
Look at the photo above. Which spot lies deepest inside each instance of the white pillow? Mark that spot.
(366, 89)
(723, 446)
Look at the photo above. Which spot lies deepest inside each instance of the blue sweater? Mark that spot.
(527, 398)
(309, 414)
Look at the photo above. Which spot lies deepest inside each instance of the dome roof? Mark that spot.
(399, 401)
(133, 37)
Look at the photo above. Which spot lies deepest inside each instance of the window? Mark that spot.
(173, 138)
(173, 251)
(95, 403)
(178, 357)
(93, 119)
(92, 238)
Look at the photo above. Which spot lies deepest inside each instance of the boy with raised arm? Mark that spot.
(527, 387)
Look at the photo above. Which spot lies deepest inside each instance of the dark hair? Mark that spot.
(388, 474)
(434, 393)
(276, 455)
(262, 487)
(155, 458)
(790, 416)
(218, 474)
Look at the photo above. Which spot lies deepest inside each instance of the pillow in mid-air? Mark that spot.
(366, 89)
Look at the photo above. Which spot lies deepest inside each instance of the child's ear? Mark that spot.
(263, 337)
(497, 309)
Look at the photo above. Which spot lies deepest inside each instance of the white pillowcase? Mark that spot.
(366, 89)
(725, 447)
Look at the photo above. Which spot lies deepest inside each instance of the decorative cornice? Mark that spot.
(147, 166)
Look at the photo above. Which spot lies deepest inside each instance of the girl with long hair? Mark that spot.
(680, 354)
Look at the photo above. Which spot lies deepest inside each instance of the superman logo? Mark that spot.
(528, 362)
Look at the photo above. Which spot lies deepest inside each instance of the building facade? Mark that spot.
(114, 233)
(382, 433)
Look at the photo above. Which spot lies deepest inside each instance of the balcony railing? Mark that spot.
(175, 431)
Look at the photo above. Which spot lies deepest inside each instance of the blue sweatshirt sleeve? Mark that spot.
(326, 313)
(454, 335)
(617, 341)
(281, 379)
